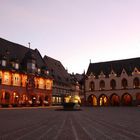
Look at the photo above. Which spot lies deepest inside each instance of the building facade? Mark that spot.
(63, 84)
(24, 79)
(113, 83)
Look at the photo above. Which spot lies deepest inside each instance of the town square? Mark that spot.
(96, 123)
(69, 69)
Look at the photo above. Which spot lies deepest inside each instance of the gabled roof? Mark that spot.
(13, 50)
(57, 71)
(117, 66)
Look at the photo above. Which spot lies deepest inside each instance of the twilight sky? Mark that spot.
(74, 31)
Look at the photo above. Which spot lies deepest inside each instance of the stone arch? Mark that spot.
(33, 100)
(126, 99)
(103, 100)
(138, 98)
(40, 99)
(23, 99)
(115, 100)
(6, 97)
(92, 100)
(46, 100)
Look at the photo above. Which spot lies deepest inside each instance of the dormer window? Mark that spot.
(3, 63)
(38, 71)
(30, 61)
(31, 66)
(16, 66)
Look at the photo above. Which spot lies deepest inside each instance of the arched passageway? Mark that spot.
(40, 101)
(92, 100)
(115, 100)
(126, 99)
(103, 100)
(7, 97)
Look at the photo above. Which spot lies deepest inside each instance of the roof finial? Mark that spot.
(29, 44)
(90, 60)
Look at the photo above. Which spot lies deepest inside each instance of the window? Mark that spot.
(102, 84)
(16, 80)
(39, 71)
(16, 66)
(113, 84)
(33, 66)
(6, 78)
(136, 82)
(48, 84)
(41, 83)
(4, 63)
(124, 83)
(91, 86)
(30, 66)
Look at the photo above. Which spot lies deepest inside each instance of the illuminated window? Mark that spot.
(4, 63)
(16, 79)
(53, 99)
(6, 78)
(41, 83)
(48, 84)
(16, 66)
(24, 80)
(39, 71)
(31, 66)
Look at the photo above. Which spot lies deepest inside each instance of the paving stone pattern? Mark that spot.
(99, 123)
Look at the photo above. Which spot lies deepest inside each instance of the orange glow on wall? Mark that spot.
(24, 80)
(49, 84)
(16, 79)
(7, 78)
(41, 83)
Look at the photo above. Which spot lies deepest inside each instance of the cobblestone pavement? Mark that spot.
(100, 123)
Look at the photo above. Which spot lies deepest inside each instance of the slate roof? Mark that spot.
(14, 51)
(117, 66)
(57, 71)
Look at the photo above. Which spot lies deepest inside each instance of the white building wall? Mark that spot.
(108, 91)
